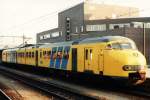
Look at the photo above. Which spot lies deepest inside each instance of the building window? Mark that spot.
(137, 24)
(81, 28)
(41, 37)
(60, 33)
(117, 26)
(47, 36)
(147, 25)
(56, 34)
(101, 27)
(76, 29)
(140, 24)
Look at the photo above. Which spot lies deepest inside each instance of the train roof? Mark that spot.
(56, 44)
(103, 39)
(85, 41)
(11, 49)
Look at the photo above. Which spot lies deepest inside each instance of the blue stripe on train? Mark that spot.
(58, 59)
(65, 58)
(52, 60)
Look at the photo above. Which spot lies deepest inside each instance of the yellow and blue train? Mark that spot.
(113, 56)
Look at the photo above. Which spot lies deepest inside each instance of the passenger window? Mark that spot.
(59, 54)
(86, 54)
(29, 54)
(49, 53)
(66, 55)
(32, 54)
(54, 54)
(40, 54)
(91, 54)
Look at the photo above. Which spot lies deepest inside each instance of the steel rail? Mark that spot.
(62, 92)
(55, 90)
(4, 96)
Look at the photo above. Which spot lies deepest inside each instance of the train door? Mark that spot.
(36, 58)
(101, 62)
(74, 59)
(88, 59)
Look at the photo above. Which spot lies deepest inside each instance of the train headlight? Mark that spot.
(127, 68)
(132, 67)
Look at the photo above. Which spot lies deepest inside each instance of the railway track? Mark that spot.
(4, 96)
(57, 91)
(63, 92)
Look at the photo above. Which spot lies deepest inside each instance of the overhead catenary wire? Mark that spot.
(49, 16)
(42, 17)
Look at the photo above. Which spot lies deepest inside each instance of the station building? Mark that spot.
(94, 20)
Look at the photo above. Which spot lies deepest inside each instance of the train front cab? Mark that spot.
(122, 59)
(108, 59)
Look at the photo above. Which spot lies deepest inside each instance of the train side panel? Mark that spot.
(90, 58)
(4, 56)
(21, 58)
(31, 56)
(44, 57)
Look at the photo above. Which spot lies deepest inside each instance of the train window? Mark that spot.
(122, 46)
(59, 54)
(66, 54)
(32, 54)
(40, 54)
(86, 54)
(29, 54)
(54, 54)
(116, 46)
(91, 54)
(49, 53)
(126, 46)
(44, 53)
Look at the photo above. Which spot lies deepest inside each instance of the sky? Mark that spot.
(29, 17)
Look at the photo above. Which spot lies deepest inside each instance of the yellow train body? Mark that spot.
(113, 56)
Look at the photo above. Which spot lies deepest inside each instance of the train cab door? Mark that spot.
(74, 59)
(101, 62)
(88, 59)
